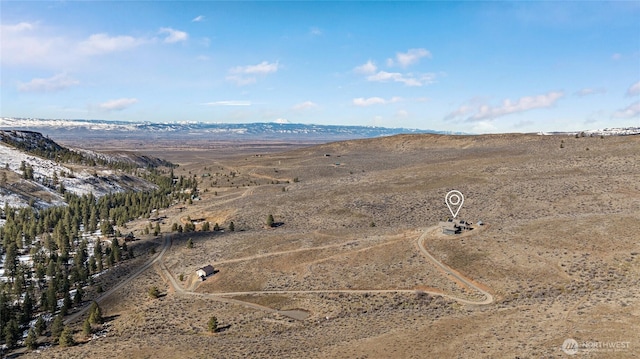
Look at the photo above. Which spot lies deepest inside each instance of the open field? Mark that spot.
(559, 253)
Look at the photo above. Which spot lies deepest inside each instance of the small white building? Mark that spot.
(205, 271)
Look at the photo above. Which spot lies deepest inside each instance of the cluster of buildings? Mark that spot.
(456, 226)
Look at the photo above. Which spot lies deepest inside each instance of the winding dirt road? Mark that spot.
(166, 245)
(223, 297)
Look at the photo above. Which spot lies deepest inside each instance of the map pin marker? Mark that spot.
(454, 200)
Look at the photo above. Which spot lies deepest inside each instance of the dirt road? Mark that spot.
(223, 297)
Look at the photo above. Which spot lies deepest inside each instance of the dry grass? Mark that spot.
(560, 253)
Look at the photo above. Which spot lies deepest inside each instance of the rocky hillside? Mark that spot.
(37, 171)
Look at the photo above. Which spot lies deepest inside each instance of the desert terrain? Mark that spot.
(355, 265)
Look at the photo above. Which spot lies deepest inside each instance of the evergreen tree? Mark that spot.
(86, 328)
(66, 337)
(52, 300)
(213, 324)
(77, 298)
(11, 333)
(57, 326)
(115, 249)
(190, 243)
(270, 221)
(232, 227)
(32, 339)
(66, 303)
(40, 326)
(95, 313)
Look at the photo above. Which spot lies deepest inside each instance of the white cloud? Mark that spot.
(367, 68)
(616, 56)
(363, 102)
(242, 75)
(241, 80)
(410, 57)
(316, 31)
(282, 121)
(57, 82)
(523, 104)
(402, 113)
(630, 111)
(19, 27)
(634, 90)
(262, 68)
(198, 18)
(590, 91)
(118, 104)
(228, 103)
(103, 43)
(173, 35)
(407, 79)
(485, 112)
(460, 112)
(307, 105)
(22, 45)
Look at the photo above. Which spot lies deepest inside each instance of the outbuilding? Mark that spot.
(205, 271)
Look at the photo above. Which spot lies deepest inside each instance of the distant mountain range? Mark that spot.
(217, 131)
(88, 129)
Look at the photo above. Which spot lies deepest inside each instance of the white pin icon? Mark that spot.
(454, 199)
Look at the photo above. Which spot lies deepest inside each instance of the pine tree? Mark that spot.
(232, 227)
(57, 326)
(95, 313)
(86, 328)
(190, 243)
(270, 221)
(40, 326)
(11, 333)
(213, 324)
(66, 338)
(77, 298)
(32, 340)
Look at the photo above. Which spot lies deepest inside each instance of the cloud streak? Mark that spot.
(365, 102)
(590, 91)
(407, 79)
(368, 68)
(173, 35)
(98, 44)
(402, 59)
(246, 75)
(634, 90)
(55, 83)
(412, 56)
(508, 107)
(228, 103)
(307, 105)
(630, 111)
(118, 104)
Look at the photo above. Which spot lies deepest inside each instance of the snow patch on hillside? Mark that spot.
(81, 183)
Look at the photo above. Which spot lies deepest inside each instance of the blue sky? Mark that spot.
(478, 67)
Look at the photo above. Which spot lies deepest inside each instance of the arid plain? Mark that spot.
(346, 272)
